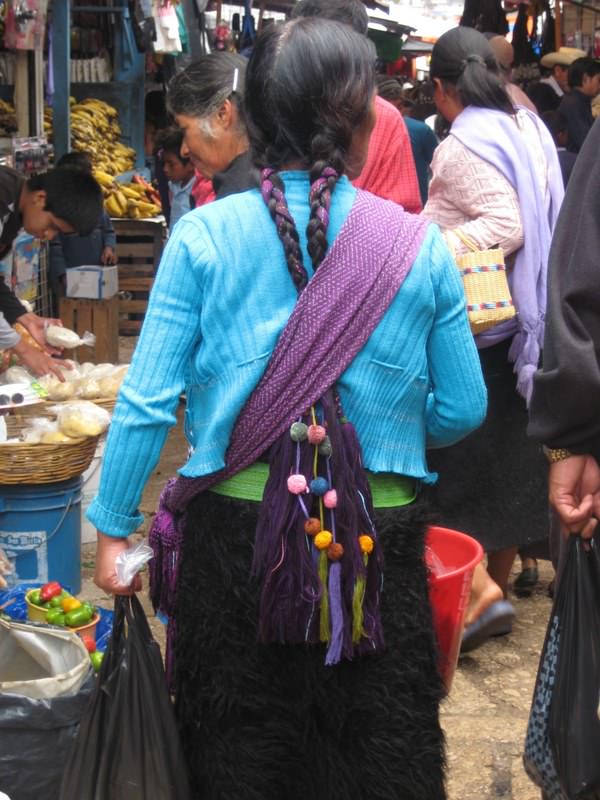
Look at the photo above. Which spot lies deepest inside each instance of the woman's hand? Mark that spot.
(38, 361)
(107, 550)
(36, 327)
(574, 488)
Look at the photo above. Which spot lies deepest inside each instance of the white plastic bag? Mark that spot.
(129, 562)
(17, 375)
(81, 418)
(63, 337)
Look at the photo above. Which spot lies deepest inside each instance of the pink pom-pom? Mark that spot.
(316, 434)
(297, 484)
(330, 499)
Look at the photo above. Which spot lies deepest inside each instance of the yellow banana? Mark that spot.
(112, 206)
(148, 209)
(103, 178)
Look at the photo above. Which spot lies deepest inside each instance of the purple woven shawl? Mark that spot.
(331, 322)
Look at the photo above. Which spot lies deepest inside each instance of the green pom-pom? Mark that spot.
(325, 447)
(299, 432)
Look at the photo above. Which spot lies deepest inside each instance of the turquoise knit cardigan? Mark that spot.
(222, 297)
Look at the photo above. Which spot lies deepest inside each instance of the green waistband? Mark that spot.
(388, 490)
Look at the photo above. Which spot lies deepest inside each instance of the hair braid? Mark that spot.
(323, 179)
(274, 197)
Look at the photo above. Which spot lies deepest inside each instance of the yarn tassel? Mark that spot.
(334, 652)
(170, 655)
(357, 605)
(324, 630)
(165, 539)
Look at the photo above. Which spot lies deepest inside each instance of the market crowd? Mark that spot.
(337, 400)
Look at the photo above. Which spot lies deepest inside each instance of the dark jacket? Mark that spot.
(577, 110)
(68, 250)
(239, 176)
(565, 407)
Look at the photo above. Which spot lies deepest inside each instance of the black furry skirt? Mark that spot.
(493, 484)
(272, 722)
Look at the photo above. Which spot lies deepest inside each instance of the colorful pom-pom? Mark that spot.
(297, 484)
(316, 434)
(319, 486)
(325, 447)
(323, 540)
(335, 551)
(298, 431)
(366, 543)
(312, 526)
(330, 499)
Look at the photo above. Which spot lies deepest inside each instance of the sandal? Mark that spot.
(526, 582)
(497, 620)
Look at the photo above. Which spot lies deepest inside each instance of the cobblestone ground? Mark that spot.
(485, 715)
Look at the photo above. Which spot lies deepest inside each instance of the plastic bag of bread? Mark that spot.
(81, 418)
(89, 389)
(110, 385)
(17, 375)
(58, 336)
(37, 428)
(62, 390)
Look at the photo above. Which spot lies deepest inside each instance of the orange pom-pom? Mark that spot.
(335, 551)
(366, 543)
(323, 540)
(312, 526)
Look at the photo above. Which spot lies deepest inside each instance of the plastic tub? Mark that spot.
(451, 557)
(38, 614)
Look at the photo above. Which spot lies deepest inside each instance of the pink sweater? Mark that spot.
(469, 193)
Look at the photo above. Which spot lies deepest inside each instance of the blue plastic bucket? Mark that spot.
(40, 531)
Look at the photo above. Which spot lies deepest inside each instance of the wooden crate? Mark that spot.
(139, 248)
(101, 317)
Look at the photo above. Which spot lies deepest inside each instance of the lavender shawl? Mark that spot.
(495, 137)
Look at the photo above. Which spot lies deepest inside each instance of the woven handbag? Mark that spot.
(483, 272)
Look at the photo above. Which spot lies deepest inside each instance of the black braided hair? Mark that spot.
(323, 179)
(273, 194)
(309, 86)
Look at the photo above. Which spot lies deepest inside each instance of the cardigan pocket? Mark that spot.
(251, 361)
(399, 393)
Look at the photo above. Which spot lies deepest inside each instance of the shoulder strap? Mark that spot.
(335, 315)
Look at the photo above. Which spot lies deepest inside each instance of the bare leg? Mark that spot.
(484, 592)
(499, 566)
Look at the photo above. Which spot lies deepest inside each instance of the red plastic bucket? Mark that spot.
(451, 558)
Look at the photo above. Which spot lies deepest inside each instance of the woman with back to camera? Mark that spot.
(496, 181)
(285, 312)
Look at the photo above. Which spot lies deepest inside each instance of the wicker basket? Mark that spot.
(42, 409)
(42, 463)
(483, 272)
(106, 402)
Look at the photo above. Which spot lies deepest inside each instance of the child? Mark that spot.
(180, 172)
(73, 250)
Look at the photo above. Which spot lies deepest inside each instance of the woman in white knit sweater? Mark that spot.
(496, 181)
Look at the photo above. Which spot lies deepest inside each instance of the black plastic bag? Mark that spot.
(563, 735)
(128, 745)
(36, 736)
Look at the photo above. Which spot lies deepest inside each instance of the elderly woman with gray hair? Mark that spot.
(206, 101)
